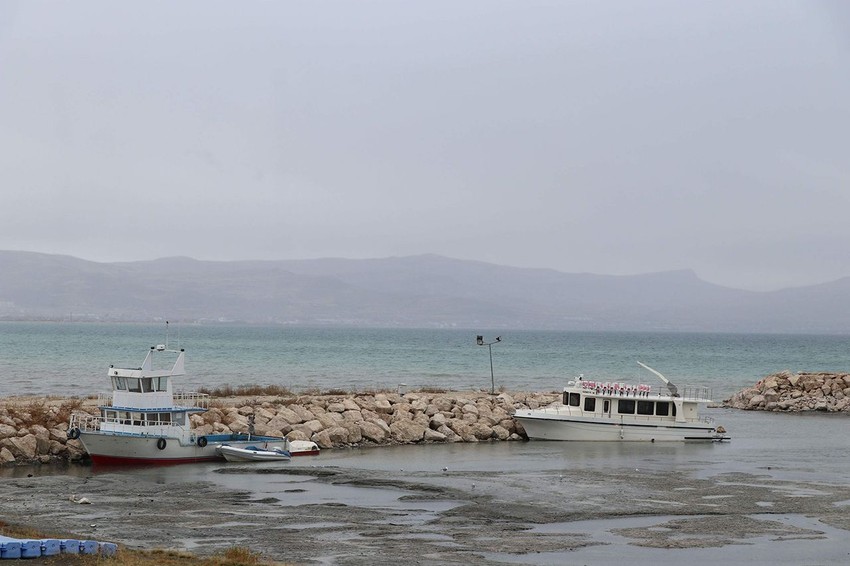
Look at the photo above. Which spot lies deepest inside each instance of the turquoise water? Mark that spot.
(72, 358)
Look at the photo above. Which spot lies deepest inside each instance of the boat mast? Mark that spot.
(670, 387)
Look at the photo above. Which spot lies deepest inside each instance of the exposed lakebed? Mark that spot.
(765, 496)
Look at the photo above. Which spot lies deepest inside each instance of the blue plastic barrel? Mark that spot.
(50, 547)
(10, 549)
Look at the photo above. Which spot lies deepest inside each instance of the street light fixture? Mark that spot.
(480, 341)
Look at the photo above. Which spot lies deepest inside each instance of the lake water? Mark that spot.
(72, 358)
(798, 456)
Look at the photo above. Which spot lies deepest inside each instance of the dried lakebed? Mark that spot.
(311, 512)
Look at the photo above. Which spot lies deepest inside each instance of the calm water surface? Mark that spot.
(72, 358)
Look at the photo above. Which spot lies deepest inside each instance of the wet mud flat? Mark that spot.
(311, 513)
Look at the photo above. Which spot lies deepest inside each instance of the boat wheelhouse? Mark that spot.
(612, 411)
(145, 421)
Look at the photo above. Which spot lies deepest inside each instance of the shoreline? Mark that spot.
(34, 429)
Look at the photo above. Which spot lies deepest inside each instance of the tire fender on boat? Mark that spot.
(74, 433)
(202, 441)
(161, 443)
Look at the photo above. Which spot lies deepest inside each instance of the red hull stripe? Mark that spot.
(121, 460)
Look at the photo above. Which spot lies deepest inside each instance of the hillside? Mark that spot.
(419, 291)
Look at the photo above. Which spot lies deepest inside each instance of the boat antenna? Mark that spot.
(166, 334)
(670, 387)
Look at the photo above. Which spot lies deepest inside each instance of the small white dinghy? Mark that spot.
(253, 454)
(303, 448)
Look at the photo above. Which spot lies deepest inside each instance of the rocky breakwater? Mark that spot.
(334, 421)
(35, 430)
(796, 392)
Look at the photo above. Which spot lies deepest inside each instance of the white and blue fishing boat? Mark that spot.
(145, 421)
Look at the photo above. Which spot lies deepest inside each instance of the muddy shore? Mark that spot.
(328, 511)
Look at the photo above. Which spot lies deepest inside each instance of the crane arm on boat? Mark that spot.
(674, 391)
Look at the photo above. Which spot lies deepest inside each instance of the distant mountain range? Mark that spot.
(417, 291)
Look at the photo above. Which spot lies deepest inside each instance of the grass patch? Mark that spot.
(248, 391)
(233, 556)
(432, 390)
(336, 392)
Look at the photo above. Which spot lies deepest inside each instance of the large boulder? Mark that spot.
(24, 447)
(407, 431)
(6, 456)
(433, 436)
(302, 413)
(373, 432)
(8, 431)
(289, 416)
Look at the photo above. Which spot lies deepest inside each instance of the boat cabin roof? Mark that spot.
(147, 369)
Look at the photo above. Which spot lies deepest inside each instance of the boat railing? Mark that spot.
(695, 393)
(181, 399)
(192, 399)
(84, 422)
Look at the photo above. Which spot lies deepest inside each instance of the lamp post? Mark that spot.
(480, 341)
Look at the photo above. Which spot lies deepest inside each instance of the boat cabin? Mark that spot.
(591, 398)
(144, 397)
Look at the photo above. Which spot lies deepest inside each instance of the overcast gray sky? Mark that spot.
(612, 137)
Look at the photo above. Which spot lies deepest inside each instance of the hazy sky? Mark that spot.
(611, 137)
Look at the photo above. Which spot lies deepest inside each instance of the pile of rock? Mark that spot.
(786, 391)
(331, 421)
(35, 431)
(334, 421)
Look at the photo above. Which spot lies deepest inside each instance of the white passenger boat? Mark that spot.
(144, 421)
(606, 411)
(253, 453)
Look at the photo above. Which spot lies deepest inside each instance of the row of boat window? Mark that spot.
(624, 406)
(145, 419)
(140, 384)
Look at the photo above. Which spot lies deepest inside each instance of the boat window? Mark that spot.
(180, 419)
(137, 419)
(590, 404)
(162, 384)
(662, 408)
(125, 417)
(626, 406)
(565, 400)
(674, 409)
(111, 415)
(165, 417)
(575, 399)
(133, 385)
(606, 406)
(645, 407)
(119, 383)
(146, 385)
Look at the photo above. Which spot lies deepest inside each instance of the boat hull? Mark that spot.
(541, 426)
(115, 449)
(303, 448)
(233, 454)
